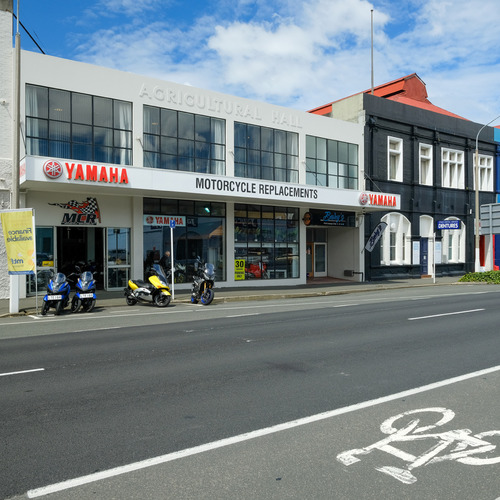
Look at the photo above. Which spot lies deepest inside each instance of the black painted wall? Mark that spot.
(414, 125)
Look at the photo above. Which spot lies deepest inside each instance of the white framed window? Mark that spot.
(395, 159)
(453, 244)
(425, 164)
(452, 169)
(485, 173)
(395, 243)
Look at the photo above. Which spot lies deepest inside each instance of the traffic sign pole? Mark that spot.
(172, 226)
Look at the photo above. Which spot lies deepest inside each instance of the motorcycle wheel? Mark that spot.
(161, 300)
(59, 307)
(89, 305)
(207, 296)
(45, 308)
(194, 300)
(131, 301)
(76, 303)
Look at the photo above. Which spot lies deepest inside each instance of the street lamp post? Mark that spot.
(476, 186)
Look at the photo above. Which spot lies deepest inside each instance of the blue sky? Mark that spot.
(295, 53)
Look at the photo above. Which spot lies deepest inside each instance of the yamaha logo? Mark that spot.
(52, 169)
(363, 199)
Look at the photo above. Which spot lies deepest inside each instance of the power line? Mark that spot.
(29, 34)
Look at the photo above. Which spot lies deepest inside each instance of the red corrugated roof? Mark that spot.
(409, 90)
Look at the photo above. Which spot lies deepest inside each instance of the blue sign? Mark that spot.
(172, 223)
(448, 224)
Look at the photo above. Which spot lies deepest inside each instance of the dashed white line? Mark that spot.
(446, 314)
(22, 371)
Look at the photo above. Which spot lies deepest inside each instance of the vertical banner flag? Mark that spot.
(19, 233)
(375, 236)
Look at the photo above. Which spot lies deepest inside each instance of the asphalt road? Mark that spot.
(123, 387)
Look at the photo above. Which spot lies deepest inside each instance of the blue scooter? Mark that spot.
(85, 296)
(57, 294)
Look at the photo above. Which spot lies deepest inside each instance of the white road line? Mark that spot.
(241, 315)
(21, 372)
(446, 314)
(98, 476)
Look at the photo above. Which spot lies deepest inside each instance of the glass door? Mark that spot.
(44, 260)
(320, 269)
(118, 257)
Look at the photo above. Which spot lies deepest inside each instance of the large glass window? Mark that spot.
(65, 124)
(267, 239)
(265, 153)
(395, 241)
(176, 140)
(203, 235)
(331, 163)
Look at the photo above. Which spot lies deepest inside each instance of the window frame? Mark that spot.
(425, 163)
(395, 159)
(485, 166)
(265, 153)
(452, 168)
(331, 163)
(54, 128)
(179, 140)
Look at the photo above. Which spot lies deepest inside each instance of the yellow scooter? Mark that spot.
(155, 290)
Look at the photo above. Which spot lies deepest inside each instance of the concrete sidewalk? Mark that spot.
(312, 289)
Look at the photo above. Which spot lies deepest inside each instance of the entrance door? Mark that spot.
(424, 256)
(82, 246)
(320, 260)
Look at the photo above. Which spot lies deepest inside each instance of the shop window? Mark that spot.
(395, 242)
(176, 140)
(453, 247)
(83, 127)
(203, 236)
(267, 239)
(331, 163)
(265, 153)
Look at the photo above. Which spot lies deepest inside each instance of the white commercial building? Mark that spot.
(109, 159)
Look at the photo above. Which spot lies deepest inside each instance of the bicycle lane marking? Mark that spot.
(325, 419)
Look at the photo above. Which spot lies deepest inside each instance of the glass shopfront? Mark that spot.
(201, 235)
(267, 239)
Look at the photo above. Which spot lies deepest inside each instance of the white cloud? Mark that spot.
(304, 53)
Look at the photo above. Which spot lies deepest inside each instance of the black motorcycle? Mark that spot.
(203, 284)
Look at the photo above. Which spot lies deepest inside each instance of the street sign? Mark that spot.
(448, 224)
(172, 224)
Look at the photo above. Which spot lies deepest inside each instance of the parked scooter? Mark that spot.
(203, 283)
(57, 294)
(85, 296)
(155, 291)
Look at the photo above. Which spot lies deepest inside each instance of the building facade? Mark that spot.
(121, 168)
(426, 154)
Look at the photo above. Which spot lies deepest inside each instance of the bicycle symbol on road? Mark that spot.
(459, 445)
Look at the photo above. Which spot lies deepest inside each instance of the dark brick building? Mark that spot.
(425, 154)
